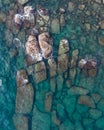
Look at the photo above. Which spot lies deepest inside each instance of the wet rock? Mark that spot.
(53, 84)
(66, 125)
(52, 67)
(63, 63)
(63, 47)
(101, 41)
(20, 122)
(2, 17)
(22, 2)
(96, 97)
(21, 78)
(48, 101)
(78, 91)
(45, 44)
(40, 72)
(100, 123)
(55, 26)
(87, 101)
(101, 24)
(55, 119)
(32, 49)
(24, 99)
(59, 82)
(94, 113)
(71, 6)
(100, 105)
(69, 103)
(40, 121)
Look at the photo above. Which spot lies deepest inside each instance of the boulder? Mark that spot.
(24, 99)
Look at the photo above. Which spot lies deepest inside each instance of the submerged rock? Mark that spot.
(55, 119)
(20, 122)
(45, 44)
(24, 99)
(55, 26)
(101, 41)
(95, 114)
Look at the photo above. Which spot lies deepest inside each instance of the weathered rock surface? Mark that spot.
(52, 67)
(40, 72)
(45, 44)
(21, 78)
(20, 122)
(55, 26)
(40, 121)
(87, 101)
(24, 99)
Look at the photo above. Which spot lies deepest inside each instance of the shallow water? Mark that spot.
(68, 111)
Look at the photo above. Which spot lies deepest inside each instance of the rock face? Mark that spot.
(20, 122)
(24, 99)
(40, 121)
(45, 44)
(40, 72)
(32, 49)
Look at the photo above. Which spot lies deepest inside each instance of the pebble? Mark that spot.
(87, 101)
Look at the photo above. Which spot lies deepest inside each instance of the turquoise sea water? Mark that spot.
(71, 114)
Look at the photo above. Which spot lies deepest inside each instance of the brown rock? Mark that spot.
(48, 101)
(21, 78)
(101, 41)
(63, 63)
(24, 99)
(52, 67)
(45, 44)
(87, 101)
(40, 66)
(20, 122)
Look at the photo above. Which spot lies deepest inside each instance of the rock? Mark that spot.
(2, 17)
(67, 125)
(100, 105)
(32, 49)
(69, 103)
(81, 63)
(24, 99)
(62, 20)
(87, 101)
(45, 44)
(28, 9)
(40, 72)
(100, 123)
(55, 26)
(95, 114)
(68, 83)
(81, 6)
(18, 19)
(52, 67)
(40, 121)
(96, 97)
(22, 2)
(53, 84)
(101, 41)
(63, 63)
(87, 26)
(101, 24)
(30, 70)
(92, 72)
(20, 122)
(63, 47)
(78, 91)
(48, 101)
(21, 78)
(55, 119)
(72, 73)
(60, 81)
(70, 6)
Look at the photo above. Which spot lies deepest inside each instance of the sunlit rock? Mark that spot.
(45, 44)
